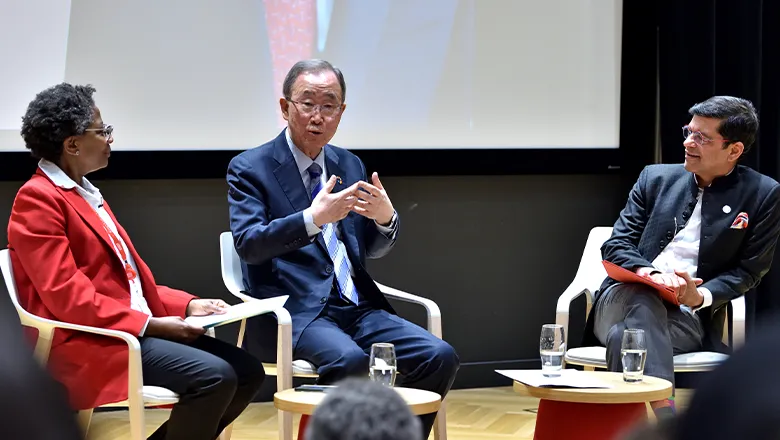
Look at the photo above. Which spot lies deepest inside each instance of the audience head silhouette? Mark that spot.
(359, 409)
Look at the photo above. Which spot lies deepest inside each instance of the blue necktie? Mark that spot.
(336, 252)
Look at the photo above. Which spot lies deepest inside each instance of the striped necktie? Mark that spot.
(336, 252)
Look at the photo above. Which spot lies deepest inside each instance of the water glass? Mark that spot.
(552, 347)
(382, 365)
(633, 353)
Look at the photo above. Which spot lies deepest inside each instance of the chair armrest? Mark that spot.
(563, 308)
(432, 309)
(46, 327)
(284, 371)
(738, 322)
(135, 381)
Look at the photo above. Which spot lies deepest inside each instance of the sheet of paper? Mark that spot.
(239, 312)
(567, 379)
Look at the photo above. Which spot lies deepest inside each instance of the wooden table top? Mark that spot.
(304, 402)
(650, 389)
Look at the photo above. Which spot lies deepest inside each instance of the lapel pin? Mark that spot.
(726, 209)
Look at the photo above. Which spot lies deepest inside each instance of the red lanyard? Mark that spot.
(131, 274)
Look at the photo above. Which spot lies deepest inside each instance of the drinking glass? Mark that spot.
(633, 353)
(552, 347)
(382, 364)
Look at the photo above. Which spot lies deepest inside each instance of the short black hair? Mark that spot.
(312, 66)
(359, 409)
(54, 115)
(739, 118)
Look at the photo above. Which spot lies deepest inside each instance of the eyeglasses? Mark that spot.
(106, 131)
(308, 109)
(698, 138)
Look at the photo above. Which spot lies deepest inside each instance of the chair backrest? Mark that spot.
(231, 266)
(591, 272)
(10, 284)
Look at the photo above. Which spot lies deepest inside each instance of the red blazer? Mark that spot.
(66, 269)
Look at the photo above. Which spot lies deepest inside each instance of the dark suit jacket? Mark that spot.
(731, 261)
(267, 198)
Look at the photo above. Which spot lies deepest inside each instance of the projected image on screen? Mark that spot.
(199, 74)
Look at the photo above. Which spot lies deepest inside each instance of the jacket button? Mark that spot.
(329, 269)
(662, 243)
(669, 235)
(323, 300)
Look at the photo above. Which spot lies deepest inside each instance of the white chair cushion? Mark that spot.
(159, 396)
(696, 361)
(303, 367)
(591, 356)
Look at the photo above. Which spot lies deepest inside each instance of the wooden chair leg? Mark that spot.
(440, 425)
(285, 425)
(589, 368)
(84, 418)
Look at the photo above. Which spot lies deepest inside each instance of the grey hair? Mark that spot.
(739, 118)
(359, 409)
(312, 66)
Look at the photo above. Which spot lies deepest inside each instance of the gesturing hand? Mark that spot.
(684, 286)
(690, 295)
(328, 207)
(203, 307)
(373, 201)
(669, 280)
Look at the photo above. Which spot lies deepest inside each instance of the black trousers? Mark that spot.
(214, 379)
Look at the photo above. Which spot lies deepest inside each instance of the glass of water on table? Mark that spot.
(633, 353)
(381, 364)
(552, 347)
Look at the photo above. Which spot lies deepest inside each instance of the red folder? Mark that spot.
(617, 273)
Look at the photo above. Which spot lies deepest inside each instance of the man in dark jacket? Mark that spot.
(707, 228)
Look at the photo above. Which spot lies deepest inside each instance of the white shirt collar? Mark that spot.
(62, 180)
(302, 160)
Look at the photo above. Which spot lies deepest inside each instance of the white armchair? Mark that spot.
(139, 396)
(587, 280)
(286, 368)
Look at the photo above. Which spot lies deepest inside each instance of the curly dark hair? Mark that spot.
(54, 115)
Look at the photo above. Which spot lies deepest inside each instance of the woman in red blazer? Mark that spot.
(73, 262)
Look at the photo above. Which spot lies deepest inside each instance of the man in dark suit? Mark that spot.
(707, 228)
(304, 220)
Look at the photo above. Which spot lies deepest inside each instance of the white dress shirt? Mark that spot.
(92, 195)
(304, 162)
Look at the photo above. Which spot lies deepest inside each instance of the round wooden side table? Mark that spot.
(594, 413)
(305, 402)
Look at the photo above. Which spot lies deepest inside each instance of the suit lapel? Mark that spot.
(289, 177)
(88, 214)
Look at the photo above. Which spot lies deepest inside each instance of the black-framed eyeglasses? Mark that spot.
(698, 138)
(308, 108)
(107, 131)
